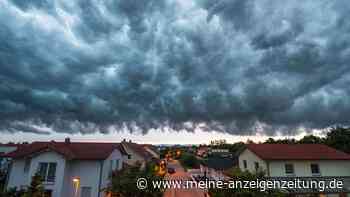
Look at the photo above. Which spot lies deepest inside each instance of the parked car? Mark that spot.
(171, 170)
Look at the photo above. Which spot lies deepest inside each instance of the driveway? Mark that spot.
(180, 174)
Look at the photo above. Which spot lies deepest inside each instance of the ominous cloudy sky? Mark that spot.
(234, 66)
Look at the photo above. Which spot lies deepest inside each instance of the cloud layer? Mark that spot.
(227, 65)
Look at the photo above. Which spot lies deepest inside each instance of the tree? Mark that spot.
(280, 141)
(311, 139)
(189, 161)
(270, 141)
(36, 188)
(164, 152)
(13, 192)
(123, 182)
(339, 138)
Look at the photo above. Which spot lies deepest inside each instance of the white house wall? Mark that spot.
(115, 155)
(303, 169)
(88, 173)
(251, 158)
(60, 169)
(17, 177)
(135, 157)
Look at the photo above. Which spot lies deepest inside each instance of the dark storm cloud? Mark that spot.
(227, 65)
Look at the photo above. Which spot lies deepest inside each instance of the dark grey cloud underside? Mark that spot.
(229, 65)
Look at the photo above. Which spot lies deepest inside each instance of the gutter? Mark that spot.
(268, 168)
(100, 179)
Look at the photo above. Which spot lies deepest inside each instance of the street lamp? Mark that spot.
(76, 184)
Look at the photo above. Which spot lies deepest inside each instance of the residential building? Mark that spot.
(4, 160)
(220, 152)
(137, 154)
(152, 150)
(69, 169)
(298, 160)
(203, 151)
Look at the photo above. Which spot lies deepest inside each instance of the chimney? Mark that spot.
(67, 140)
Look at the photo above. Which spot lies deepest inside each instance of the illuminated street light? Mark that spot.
(76, 184)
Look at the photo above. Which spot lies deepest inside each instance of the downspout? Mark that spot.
(100, 180)
(268, 168)
(8, 174)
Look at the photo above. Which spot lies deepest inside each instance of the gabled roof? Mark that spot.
(220, 163)
(151, 147)
(71, 150)
(139, 150)
(297, 152)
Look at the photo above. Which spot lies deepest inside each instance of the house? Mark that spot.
(152, 150)
(203, 151)
(70, 169)
(137, 154)
(220, 152)
(314, 161)
(214, 168)
(4, 160)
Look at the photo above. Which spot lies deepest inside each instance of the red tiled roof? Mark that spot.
(297, 152)
(71, 150)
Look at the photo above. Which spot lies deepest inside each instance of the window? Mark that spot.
(315, 169)
(245, 165)
(289, 169)
(85, 191)
(256, 165)
(47, 171)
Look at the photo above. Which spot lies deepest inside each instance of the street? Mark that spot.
(180, 174)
